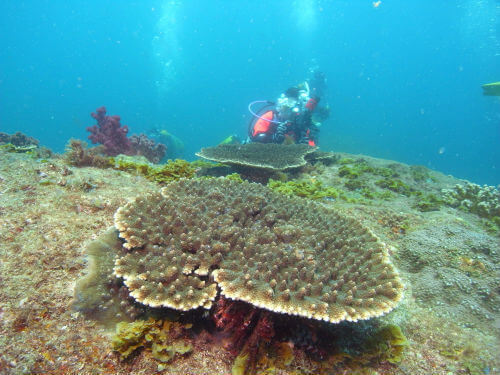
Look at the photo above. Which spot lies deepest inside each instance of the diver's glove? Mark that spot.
(281, 129)
(279, 134)
(304, 140)
(312, 103)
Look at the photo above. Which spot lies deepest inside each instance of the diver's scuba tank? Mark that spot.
(263, 121)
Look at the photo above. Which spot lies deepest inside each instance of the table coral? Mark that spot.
(279, 253)
(275, 157)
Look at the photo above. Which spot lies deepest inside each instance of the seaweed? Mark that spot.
(355, 184)
(162, 174)
(234, 177)
(153, 335)
(427, 202)
(360, 167)
(171, 171)
(388, 344)
(395, 185)
(420, 173)
(312, 189)
(371, 194)
(345, 161)
(79, 155)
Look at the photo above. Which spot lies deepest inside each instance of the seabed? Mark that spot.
(49, 212)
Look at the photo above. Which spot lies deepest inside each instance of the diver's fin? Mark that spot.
(491, 89)
(231, 140)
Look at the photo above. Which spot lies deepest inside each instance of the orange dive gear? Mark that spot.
(262, 125)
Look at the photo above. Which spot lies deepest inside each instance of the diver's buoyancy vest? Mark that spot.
(263, 124)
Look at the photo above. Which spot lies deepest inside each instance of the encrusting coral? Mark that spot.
(280, 253)
(484, 200)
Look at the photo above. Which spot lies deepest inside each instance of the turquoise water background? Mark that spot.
(403, 77)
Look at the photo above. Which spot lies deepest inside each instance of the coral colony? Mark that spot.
(110, 133)
(113, 136)
(253, 252)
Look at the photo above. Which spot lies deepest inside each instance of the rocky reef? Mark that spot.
(59, 229)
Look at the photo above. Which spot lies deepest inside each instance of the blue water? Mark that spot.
(403, 78)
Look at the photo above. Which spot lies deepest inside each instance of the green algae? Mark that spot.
(130, 336)
(234, 177)
(351, 172)
(269, 359)
(312, 189)
(395, 185)
(167, 352)
(151, 334)
(420, 173)
(357, 168)
(469, 356)
(371, 194)
(344, 161)
(355, 184)
(162, 174)
(240, 364)
(171, 171)
(427, 202)
(388, 343)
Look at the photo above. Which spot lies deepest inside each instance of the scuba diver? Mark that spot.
(291, 118)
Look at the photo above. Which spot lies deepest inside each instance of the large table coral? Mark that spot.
(279, 253)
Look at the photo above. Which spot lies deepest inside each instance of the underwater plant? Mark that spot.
(78, 155)
(395, 185)
(155, 335)
(312, 189)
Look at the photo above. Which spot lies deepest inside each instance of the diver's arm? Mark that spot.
(279, 134)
